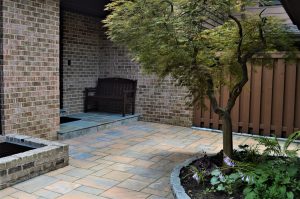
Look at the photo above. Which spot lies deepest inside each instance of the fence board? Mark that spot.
(266, 110)
(269, 102)
(289, 96)
(255, 98)
(278, 89)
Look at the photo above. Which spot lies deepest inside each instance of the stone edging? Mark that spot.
(177, 190)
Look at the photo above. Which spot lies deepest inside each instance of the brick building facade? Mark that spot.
(88, 55)
(30, 44)
(30, 67)
(34, 33)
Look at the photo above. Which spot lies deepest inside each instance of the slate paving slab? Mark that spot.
(129, 161)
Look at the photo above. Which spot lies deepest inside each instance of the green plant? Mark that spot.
(226, 183)
(198, 175)
(272, 174)
(273, 147)
(274, 180)
(247, 153)
(276, 175)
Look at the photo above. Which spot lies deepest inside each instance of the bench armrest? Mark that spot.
(129, 91)
(90, 89)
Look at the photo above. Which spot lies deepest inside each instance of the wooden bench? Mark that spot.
(111, 95)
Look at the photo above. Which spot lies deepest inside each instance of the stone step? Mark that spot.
(92, 123)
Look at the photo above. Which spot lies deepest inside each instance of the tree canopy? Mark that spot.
(200, 43)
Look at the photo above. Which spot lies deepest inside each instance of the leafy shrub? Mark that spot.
(227, 183)
(273, 174)
(274, 180)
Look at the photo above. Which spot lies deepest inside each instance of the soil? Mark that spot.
(198, 190)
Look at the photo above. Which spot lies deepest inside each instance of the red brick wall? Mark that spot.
(30, 89)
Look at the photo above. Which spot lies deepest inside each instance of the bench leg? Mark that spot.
(124, 106)
(133, 108)
(85, 106)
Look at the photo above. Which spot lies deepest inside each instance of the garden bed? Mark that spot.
(197, 190)
(251, 174)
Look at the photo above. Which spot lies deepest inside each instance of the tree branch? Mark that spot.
(240, 28)
(237, 89)
(211, 95)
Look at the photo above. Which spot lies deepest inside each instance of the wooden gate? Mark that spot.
(269, 104)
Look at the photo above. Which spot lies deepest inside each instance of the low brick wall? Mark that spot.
(46, 157)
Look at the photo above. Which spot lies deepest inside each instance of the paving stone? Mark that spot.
(66, 178)
(121, 167)
(47, 194)
(117, 175)
(80, 173)
(78, 195)
(155, 192)
(59, 171)
(35, 184)
(81, 156)
(97, 182)
(8, 197)
(90, 190)
(144, 179)
(118, 193)
(82, 163)
(120, 159)
(151, 173)
(161, 184)
(23, 195)
(142, 163)
(7, 191)
(62, 187)
(102, 172)
(132, 184)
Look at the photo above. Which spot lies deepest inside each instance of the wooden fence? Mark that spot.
(268, 105)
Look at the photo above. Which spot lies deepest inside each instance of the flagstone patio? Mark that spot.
(131, 161)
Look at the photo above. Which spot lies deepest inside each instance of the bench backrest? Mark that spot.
(114, 87)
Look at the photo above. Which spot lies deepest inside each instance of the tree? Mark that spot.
(200, 43)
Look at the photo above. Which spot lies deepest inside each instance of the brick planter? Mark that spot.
(46, 156)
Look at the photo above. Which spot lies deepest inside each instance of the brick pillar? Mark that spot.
(30, 69)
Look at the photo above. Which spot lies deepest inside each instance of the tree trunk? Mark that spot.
(227, 134)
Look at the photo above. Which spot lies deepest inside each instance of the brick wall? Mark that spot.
(80, 42)
(1, 65)
(92, 55)
(30, 67)
(157, 101)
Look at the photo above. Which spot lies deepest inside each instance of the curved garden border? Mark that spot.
(177, 189)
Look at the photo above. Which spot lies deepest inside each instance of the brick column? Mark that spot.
(30, 69)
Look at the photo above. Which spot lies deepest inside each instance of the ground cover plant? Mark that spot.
(272, 174)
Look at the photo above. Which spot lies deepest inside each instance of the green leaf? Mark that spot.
(251, 195)
(220, 187)
(290, 195)
(216, 172)
(214, 181)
